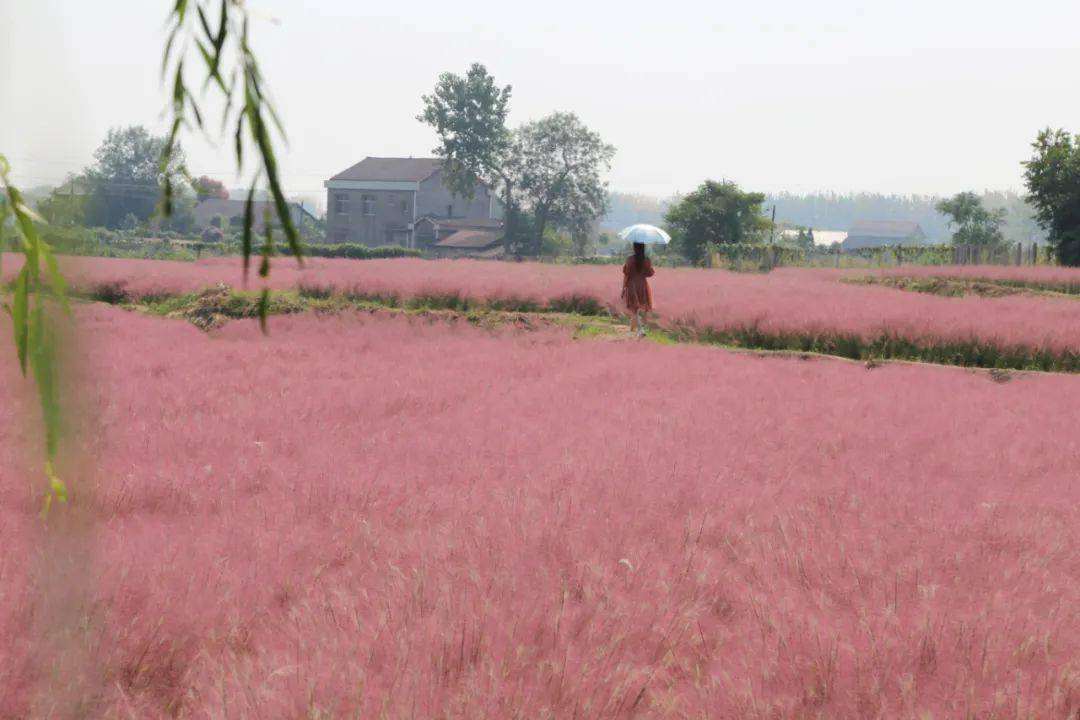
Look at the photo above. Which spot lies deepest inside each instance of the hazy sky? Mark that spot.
(923, 96)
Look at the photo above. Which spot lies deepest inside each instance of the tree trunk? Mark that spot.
(541, 224)
(509, 232)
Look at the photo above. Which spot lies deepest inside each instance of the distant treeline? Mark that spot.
(833, 211)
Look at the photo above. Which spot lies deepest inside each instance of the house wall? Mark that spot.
(391, 213)
(387, 220)
(435, 199)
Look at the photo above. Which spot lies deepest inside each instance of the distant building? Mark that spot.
(403, 201)
(233, 213)
(883, 233)
(826, 238)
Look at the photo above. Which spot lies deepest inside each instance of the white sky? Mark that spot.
(922, 96)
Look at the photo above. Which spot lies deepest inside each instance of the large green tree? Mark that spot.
(1053, 183)
(561, 166)
(468, 114)
(128, 176)
(975, 225)
(714, 214)
(547, 173)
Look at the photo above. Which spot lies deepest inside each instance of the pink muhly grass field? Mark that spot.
(1022, 273)
(382, 517)
(803, 301)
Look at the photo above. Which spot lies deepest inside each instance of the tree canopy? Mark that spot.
(714, 214)
(127, 176)
(561, 166)
(207, 187)
(975, 225)
(1053, 182)
(469, 116)
(547, 173)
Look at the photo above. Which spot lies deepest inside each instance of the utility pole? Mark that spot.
(772, 228)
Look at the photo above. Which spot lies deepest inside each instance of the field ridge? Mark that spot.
(589, 318)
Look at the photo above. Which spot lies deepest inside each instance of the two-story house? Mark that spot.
(381, 201)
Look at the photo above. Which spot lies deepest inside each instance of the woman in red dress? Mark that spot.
(635, 290)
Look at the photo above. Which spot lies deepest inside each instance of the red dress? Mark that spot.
(635, 290)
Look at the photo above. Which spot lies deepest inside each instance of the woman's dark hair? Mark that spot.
(639, 256)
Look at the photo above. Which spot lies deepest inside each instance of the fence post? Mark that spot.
(1019, 249)
(899, 255)
(1034, 253)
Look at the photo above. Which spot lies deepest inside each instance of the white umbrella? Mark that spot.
(645, 234)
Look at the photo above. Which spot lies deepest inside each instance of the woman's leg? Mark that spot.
(641, 322)
(633, 321)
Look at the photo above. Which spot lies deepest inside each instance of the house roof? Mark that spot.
(885, 228)
(391, 169)
(495, 252)
(470, 239)
(475, 223)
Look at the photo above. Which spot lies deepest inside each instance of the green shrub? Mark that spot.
(315, 292)
(358, 252)
(113, 292)
(514, 304)
(577, 304)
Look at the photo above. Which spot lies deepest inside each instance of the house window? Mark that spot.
(404, 207)
(369, 204)
(341, 204)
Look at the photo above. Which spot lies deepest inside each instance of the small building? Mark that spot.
(380, 201)
(207, 211)
(883, 233)
(472, 243)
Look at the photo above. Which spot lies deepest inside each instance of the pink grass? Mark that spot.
(1023, 273)
(389, 518)
(784, 301)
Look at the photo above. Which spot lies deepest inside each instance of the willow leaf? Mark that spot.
(205, 23)
(249, 222)
(56, 278)
(19, 306)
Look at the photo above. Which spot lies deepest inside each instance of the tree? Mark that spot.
(66, 205)
(1053, 182)
(469, 115)
(802, 238)
(207, 187)
(561, 162)
(975, 225)
(182, 217)
(128, 176)
(714, 214)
